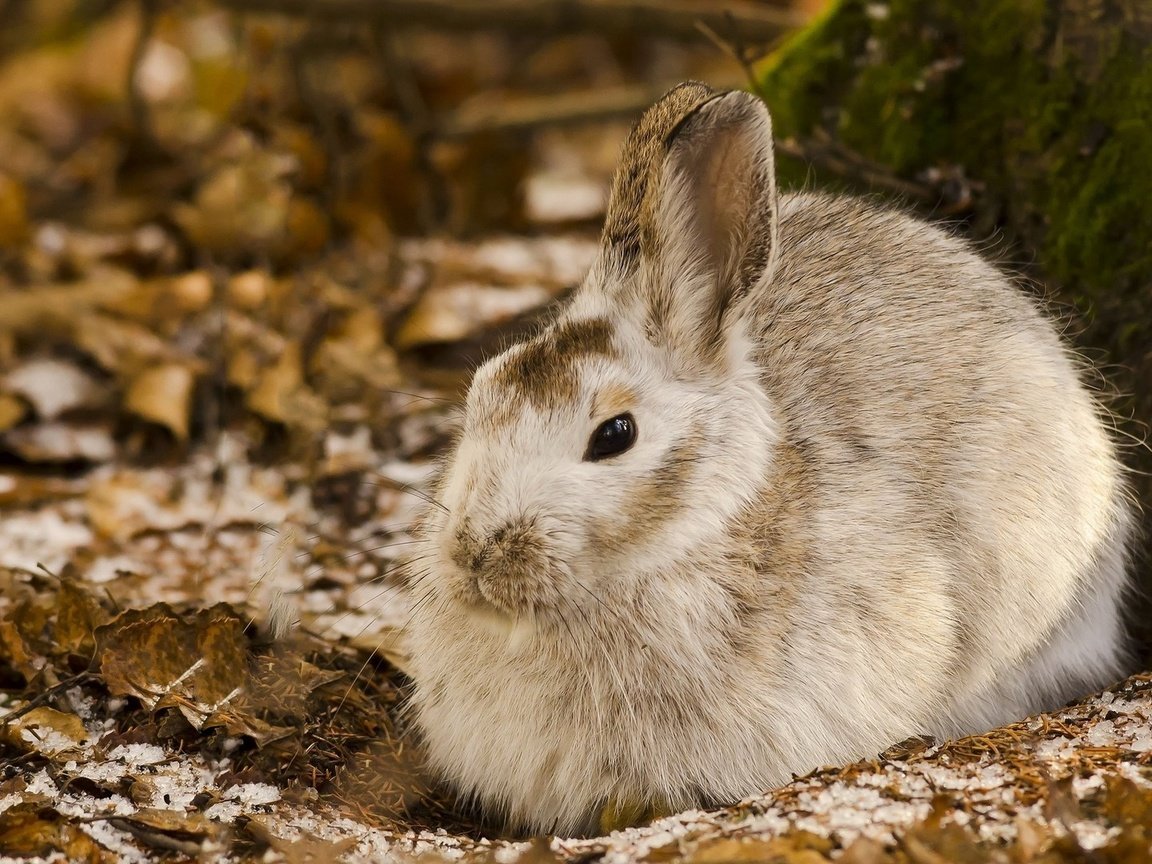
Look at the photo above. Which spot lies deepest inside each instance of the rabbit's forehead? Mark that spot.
(547, 374)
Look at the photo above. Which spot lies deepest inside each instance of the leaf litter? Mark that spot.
(238, 305)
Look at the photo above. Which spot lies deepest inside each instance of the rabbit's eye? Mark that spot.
(611, 438)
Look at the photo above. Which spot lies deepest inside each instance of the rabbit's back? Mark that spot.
(943, 428)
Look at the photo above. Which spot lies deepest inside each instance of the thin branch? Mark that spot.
(137, 104)
(525, 113)
(825, 153)
(676, 18)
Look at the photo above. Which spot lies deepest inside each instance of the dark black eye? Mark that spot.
(612, 437)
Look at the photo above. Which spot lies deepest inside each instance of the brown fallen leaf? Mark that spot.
(281, 395)
(447, 313)
(307, 849)
(77, 617)
(121, 347)
(241, 208)
(196, 661)
(12, 410)
(13, 213)
(53, 733)
(163, 395)
(798, 847)
(33, 831)
(17, 653)
(60, 306)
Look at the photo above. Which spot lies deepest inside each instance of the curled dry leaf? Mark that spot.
(189, 292)
(17, 653)
(163, 395)
(280, 394)
(45, 730)
(120, 347)
(249, 290)
(242, 207)
(12, 411)
(58, 307)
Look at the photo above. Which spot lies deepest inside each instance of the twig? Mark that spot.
(831, 156)
(523, 113)
(737, 49)
(676, 18)
(137, 104)
(52, 692)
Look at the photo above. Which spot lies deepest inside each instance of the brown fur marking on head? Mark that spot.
(544, 370)
(628, 226)
(612, 400)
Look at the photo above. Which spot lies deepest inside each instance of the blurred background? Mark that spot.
(267, 216)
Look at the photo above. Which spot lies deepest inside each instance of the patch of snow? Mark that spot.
(108, 569)
(117, 841)
(253, 794)
(41, 537)
(137, 755)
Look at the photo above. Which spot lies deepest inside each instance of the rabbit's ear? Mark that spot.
(714, 218)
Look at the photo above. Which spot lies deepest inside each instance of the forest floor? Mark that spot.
(233, 333)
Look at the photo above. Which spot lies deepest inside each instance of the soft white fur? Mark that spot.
(957, 561)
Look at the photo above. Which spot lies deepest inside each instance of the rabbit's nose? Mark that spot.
(502, 551)
(470, 551)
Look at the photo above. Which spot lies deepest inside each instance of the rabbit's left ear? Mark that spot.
(716, 210)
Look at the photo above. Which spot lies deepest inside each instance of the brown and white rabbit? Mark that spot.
(791, 478)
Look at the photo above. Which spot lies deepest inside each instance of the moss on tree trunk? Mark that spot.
(1045, 105)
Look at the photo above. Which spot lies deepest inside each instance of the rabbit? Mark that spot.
(791, 477)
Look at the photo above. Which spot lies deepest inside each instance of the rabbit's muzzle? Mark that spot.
(505, 564)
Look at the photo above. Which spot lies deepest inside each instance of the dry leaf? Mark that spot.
(47, 731)
(32, 831)
(77, 617)
(190, 292)
(12, 411)
(163, 395)
(16, 652)
(60, 306)
(280, 394)
(13, 213)
(122, 347)
(196, 661)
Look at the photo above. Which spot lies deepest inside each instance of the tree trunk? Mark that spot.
(1043, 109)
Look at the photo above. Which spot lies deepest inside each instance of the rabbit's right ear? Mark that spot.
(704, 217)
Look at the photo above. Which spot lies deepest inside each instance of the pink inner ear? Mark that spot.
(725, 164)
(722, 199)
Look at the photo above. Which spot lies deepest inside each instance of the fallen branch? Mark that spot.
(524, 113)
(676, 18)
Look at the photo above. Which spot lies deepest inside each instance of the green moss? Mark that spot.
(1045, 104)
